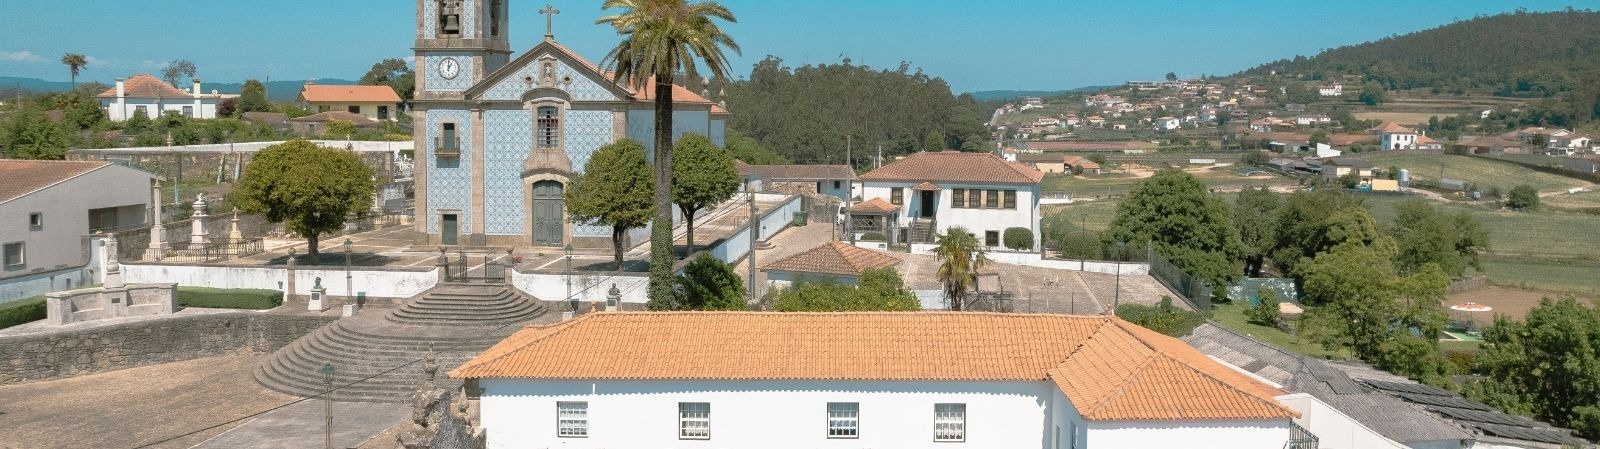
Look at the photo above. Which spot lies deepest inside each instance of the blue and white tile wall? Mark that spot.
(586, 131)
(642, 126)
(463, 79)
(450, 179)
(507, 136)
(585, 85)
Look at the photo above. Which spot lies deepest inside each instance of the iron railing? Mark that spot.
(216, 251)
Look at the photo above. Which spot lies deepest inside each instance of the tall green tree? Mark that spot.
(1173, 211)
(176, 71)
(707, 284)
(29, 134)
(1255, 211)
(702, 176)
(1522, 197)
(960, 258)
(660, 39)
(252, 97)
(75, 62)
(614, 189)
(878, 289)
(396, 74)
(310, 189)
(1361, 303)
(1310, 223)
(1546, 366)
(1426, 235)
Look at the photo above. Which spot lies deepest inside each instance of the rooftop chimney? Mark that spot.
(197, 87)
(121, 91)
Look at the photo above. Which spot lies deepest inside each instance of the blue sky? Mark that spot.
(975, 45)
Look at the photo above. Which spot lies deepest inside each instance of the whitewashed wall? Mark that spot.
(591, 287)
(1334, 429)
(1026, 215)
(765, 414)
(777, 219)
(1251, 434)
(374, 283)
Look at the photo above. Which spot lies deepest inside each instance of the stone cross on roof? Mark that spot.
(549, 12)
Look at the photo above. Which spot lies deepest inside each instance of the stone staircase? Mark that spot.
(378, 354)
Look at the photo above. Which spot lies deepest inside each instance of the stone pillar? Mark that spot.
(234, 236)
(509, 264)
(198, 238)
(113, 269)
(288, 292)
(158, 233)
(443, 266)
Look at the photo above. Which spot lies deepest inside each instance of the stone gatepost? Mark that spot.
(158, 232)
(443, 266)
(319, 297)
(234, 236)
(510, 268)
(113, 292)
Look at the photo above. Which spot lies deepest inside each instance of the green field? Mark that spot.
(1574, 201)
(1110, 185)
(1565, 276)
(1483, 172)
(1541, 234)
(1094, 215)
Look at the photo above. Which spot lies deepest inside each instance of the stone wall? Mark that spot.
(28, 358)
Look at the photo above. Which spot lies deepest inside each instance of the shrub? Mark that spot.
(1256, 158)
(22, 311)
(873, 237)
(237, 298)
(1265, 309)
(1018, 239)
(1163, 317)
(1523, 196)
(1081, 245)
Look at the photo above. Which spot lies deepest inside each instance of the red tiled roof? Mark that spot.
(925, 185)
(834, 258)
(328, 93)
(1392, 128)
(874, 206)
(953, 166)
(144, 85)
(22, 177)
(1110, 369)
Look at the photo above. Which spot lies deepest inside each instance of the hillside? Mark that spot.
(1516, 54)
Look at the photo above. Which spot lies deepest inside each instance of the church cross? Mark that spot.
(549, 12)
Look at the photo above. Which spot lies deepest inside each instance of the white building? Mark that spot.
(51, 208)
(149, 96)
(937, 190)
(1331, 90)
(1395, 137)
(1167, 123)
(862, 380)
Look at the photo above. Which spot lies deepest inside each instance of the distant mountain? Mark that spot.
(992, 95)
(1521, 53)
(276, 90)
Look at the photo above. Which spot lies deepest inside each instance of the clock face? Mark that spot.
(449, 68)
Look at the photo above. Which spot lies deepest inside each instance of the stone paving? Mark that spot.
(1048, 290)
(302, 425)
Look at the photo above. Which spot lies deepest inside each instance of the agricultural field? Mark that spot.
(1579, 277)
(1574, 201)
(1094, 215)
(1112, 185)
(1483, 172)
(1403, 118)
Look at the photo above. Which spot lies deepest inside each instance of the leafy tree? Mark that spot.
(1171, 76)
(227, 107)
(177, 70)
(1349, 180)
(702, 176)
(1163, 317)
(1254, 212)
(1426, 235)
(1373, 94)
(1264, 310)
(879, 289)
(707, 284)
(1362, 304)
(75, 62)
(960, 258)
(1255, 158)
(1310, 223)
(1523, 197)
(1173, 211)
(392, 72)
(309, 188)
(614, 189)
(29, 134)
(1018, 239)
(660, 39)
(746, 149)
(339, 129)
(252, 97)
(1415, 357)
(1547, 365)
(1098, 158)
(1319, 136)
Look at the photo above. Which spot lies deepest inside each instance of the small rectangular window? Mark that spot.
(974, 198)
(324, 108)
(13, 256)
(949, 422)
(991, 238)
(844, 419)
(958, 198)
(694, 420)
(836, 185)
(897, 196)
(141, 110)
(991, 199)
(353, 109)
(188, 111)
(572, 419)
(549, 123)
(36, 221)
(1010, 199)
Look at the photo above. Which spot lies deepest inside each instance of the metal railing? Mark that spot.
(1300, 438)
(216, 251)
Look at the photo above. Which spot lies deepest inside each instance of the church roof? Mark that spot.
(680, 94)
(326, 93)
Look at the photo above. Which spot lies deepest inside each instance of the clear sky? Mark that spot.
(975, 45)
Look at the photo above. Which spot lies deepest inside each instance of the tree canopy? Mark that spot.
(392, 72)
(1426, 235)
(702, 176)
(309, 188)
(706, 284)
(614, 190)
(879, 289)
(1254, 214)
(252, 97)
(177, 71)
(1173, 211)
(1310, 223)
(1546, 366)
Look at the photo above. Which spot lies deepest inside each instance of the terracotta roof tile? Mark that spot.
(22, 177)
(953, 166)
(144, 85)
(834, 258)
(874, 206)
(331, 93)
(1392, 127)
(1110, 369)
(925, 185)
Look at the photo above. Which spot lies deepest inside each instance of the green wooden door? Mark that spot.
(547, 208)
(447, 229)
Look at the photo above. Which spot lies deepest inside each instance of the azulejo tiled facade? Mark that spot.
(492, 116)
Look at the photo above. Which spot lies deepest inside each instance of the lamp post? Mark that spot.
(1117, 298)
(349, 286)
(574, 304)
(327, 405)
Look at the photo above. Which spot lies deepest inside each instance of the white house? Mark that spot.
(1395, 137)
(900, 380)
(938, 190)
(1331, 90)
(152, 97)
(1167, 123)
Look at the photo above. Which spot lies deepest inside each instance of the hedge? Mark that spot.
(21, 311)
(219, 298)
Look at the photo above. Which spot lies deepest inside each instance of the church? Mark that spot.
(500, 137)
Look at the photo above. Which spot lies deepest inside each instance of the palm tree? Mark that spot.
(962, 257)
(75, 62)
(660, 39)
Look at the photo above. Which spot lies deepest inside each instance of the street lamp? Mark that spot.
(1117, 298)
(574, 304)
(327, 405)
(349, 286)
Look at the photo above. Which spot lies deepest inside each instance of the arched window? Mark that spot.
(549, 134)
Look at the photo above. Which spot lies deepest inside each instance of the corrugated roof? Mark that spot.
(331, 93)
(955, 166)
(1111, 369)
(22, 177)
(834, 258)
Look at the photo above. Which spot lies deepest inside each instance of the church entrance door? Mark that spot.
(547, 213)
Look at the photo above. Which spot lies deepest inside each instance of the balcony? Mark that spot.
(446, 147)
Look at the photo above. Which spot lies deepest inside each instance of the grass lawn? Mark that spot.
(1573, 201)
(1541, 234)
(1231, 316)
(1094, 215)
(1483, 172)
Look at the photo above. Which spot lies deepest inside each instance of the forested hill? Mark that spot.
(805, 113)
(1521, 53)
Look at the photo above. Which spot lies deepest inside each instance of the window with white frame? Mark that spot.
(694, 420)
(572, 419)
(844, 419)
(949, 422)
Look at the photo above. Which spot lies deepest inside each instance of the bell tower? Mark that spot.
(459, 42)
